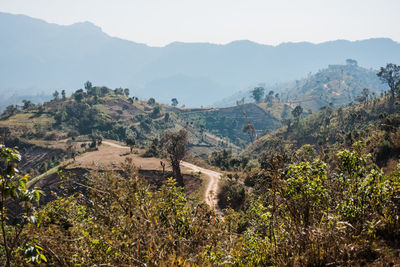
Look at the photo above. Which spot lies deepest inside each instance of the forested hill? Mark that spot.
(37, 56)
(336, 84)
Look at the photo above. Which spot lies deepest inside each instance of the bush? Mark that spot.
(232, 195)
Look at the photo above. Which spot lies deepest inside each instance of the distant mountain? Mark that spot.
(337, 84)
(38, 57)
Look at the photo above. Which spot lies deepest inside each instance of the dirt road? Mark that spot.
(113, 144)
(210, 194)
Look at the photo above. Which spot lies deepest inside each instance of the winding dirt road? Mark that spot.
(210, 194)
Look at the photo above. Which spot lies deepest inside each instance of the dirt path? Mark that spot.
(210, 194)
(113, 144)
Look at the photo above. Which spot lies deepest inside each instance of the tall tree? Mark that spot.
(175, 145)
(88, 87)
(63, 95)
(131, 142)
(296, 112)
(56, 95)
(391, 76)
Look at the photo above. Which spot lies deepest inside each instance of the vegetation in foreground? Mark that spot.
(303, 213)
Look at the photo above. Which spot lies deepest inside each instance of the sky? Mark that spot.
(160, 22)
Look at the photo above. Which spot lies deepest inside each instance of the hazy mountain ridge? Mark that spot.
(42, 57)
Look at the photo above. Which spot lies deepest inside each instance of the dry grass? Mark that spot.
(111, 157)
(27, 120)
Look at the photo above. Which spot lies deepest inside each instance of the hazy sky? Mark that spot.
(159, 22)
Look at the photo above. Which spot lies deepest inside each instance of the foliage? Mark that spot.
(390, 75)
(175, 145)
(14, 193)
(174, 102)
(226, 161)
(126, 223)
(258, 93)
(130, 142)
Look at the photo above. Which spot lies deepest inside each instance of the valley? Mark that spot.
(118, 153)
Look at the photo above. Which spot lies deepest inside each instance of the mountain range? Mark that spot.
(37, 58)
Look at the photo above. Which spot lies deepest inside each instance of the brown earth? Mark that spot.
(109, 157)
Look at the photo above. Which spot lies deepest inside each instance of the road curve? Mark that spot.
(210, 194)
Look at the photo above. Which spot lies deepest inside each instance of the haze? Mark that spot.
(158, 23)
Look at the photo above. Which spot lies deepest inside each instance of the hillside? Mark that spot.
(38, 57)
(228, 123)
(375, 123)
(113, 115)
(337, 84)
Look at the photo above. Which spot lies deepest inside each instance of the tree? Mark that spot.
(71, 149)
(96, 140)
(27, 104)
(156, 111)
(174, 102)
(9, 111)
(365, 92)
(249, 129)
(175, 145)
(104, 91)
(151, 101)
(13, 189)
(126, 91)
(391, 76)
(258, 93)
(351, 62)
(119, 91)
(56, 95)
(63, 95)
(88, 87)
(79, 95)
(270, 96)
(297, 111)
(130, 142)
